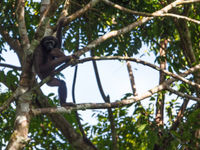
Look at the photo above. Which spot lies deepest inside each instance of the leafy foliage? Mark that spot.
(135, 125)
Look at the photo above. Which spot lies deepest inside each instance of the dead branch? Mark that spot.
(132, 78)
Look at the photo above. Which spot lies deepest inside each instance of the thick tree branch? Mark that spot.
(164, 85)
(111, 34)
(64, 12)
(152, 14)
(109, 105)
(49, 11)
(83, 107)
(19, 137)
(22, 25)
(161, 96)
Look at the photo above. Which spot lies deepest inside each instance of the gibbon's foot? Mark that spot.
(67, 104)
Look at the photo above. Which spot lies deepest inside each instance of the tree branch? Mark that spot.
(7, 103)
(152, 14)
(131, 77)
(64, 12)
(182, 94)
(179, 115)
(74, 62)
(159, 118)
(117, 104)
(78, 13)
(10, 66)
(13, 43)
(22, 25)
(44, 20)
(179, 77)
(158, 88)
(126, 29)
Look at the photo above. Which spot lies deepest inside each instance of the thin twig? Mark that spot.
(10, 66)
(182, 94)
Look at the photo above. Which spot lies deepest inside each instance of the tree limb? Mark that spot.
(179, 77)
(180, 114)
(22, 25)
(153, 14)
(10, 66)
(160, 102)
(78, 13)
(182, 94)
(13, 43)
(44, 20)
(163, 86)
(126, 29)
(131, 77)
(117, 104)
(60, 122)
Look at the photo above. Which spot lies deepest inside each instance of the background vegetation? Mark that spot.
(108, 30)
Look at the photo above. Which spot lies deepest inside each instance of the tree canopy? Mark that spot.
(103, 30)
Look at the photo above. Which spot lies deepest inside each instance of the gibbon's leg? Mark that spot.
(62, 91)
